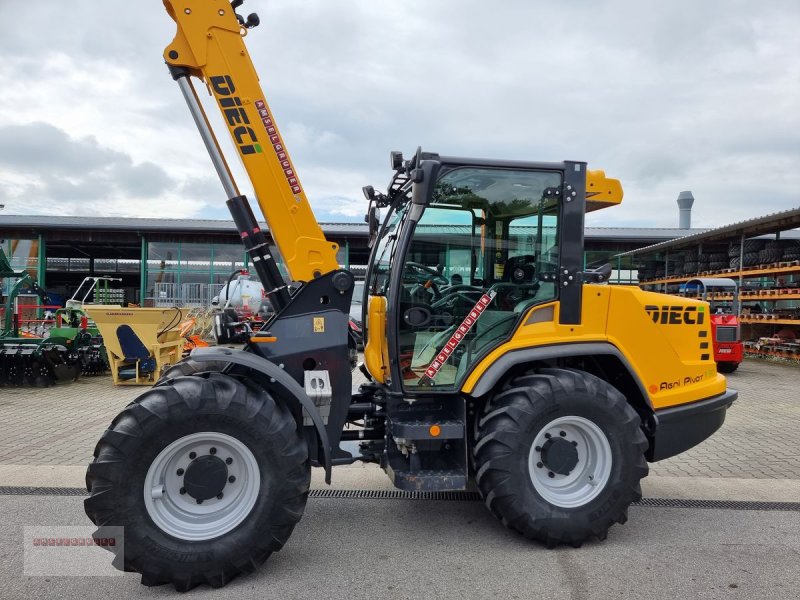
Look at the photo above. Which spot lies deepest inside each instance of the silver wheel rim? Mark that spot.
(180, 515)
(587, 479)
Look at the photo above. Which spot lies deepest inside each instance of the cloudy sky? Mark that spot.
(666, 96)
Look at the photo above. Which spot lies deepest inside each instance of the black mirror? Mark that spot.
(396, 160)
(598, 275)
(369, 192)
(373, 221)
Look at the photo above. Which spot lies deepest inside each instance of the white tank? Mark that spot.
(245, 293)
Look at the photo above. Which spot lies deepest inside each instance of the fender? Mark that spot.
(283, 379)
(516, 357)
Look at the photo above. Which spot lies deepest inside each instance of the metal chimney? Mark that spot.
(685, 201)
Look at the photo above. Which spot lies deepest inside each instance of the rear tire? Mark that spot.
(727, 367)
(144, 458)
(527, 485)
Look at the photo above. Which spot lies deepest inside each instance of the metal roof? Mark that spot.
(226, 226)
(768, 224)
(222, 226)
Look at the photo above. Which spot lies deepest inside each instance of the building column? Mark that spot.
(143, 271)
(41, 266)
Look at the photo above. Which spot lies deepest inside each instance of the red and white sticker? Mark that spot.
(277, 145)
(459, 335)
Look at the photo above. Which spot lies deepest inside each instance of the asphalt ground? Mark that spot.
(433, 549)
(356, 548)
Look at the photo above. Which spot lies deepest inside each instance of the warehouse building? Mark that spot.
(159, 261)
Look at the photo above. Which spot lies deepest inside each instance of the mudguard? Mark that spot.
(516, 357)
(283, 379)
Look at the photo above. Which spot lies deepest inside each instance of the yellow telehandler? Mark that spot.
(492, 355)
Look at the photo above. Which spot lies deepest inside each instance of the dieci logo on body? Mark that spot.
(676, 315)
(235, 115)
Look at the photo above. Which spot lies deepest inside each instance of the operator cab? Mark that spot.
(463, 254)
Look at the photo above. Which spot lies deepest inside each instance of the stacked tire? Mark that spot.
(718, 261)
(646, 270)
(675, 266)
(777, 250)
(792, 250)
(690, 262)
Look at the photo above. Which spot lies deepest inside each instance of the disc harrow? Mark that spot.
(37, 363)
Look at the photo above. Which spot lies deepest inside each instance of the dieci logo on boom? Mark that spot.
(235, 115)
(676, 315)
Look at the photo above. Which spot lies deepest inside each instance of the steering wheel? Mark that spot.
(432, 274)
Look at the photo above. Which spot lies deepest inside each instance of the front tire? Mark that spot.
(207, 474)
(190, 366)
(559, 456)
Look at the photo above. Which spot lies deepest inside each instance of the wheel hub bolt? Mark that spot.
(219, 496)
(574, 443)
(228, 461)
(547, 436)
(538, 448)
(199, 501)
(192, 455)
(183, 491)
(213, 450)
(550, 474)
(563, 434)
(180, 472)
(540, 465)
(231, 479)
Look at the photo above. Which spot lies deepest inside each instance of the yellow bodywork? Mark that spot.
(672, 357)
(210, 43)
(601, 191)
(376, 351)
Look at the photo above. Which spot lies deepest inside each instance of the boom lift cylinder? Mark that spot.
(253, 238)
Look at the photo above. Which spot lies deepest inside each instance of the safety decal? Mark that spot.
(319, 324)
(459, 335)
(277, 144)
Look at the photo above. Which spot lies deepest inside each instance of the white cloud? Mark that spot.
(666, 97)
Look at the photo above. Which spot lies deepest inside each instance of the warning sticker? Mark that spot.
(459, 335)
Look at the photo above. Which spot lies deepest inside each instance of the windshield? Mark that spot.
(484, 252)
(384, 254)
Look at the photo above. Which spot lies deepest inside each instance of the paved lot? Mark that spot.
(761, 435)
(421, 549)
(347, 548)
(760, 439)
